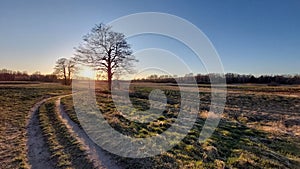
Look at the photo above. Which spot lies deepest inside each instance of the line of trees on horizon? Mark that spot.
(231, 78)
(65, 67)
(10, 75)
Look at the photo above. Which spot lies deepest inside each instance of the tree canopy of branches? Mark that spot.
(106, 51)
(64, 69)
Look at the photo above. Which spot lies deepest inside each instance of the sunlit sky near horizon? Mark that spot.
(251, 37)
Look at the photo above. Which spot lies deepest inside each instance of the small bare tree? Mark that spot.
(64, 69)
(106, 51)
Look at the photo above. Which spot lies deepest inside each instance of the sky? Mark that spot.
(251, 37)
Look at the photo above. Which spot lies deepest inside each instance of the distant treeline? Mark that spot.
(9, 75)
(231, 78)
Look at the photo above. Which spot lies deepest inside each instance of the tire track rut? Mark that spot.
(37, 149)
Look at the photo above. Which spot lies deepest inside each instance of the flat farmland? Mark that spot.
(259, 128)
(16, 101)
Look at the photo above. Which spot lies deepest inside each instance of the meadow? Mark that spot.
(16, 101)
(260, 127)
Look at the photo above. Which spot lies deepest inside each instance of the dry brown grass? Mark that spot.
(259, 128)
(15, 103)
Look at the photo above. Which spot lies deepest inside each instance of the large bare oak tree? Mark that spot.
(106, 51)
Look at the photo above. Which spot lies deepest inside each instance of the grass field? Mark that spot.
(260, 127)
(65, 150)
(16, 100)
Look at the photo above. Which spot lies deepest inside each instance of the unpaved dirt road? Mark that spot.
(37, 150)
(100, 158)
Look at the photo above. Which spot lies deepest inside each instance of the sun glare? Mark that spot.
(87, 73)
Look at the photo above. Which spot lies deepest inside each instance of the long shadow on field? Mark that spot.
(232, 145)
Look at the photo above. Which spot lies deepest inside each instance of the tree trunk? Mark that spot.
(65, 76)
(69, 76)
(109, 71)
(109, 78)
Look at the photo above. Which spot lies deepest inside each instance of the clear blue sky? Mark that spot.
(251, 37)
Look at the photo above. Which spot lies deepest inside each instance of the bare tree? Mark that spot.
(106, 51)
(71, 68)
(64, 69)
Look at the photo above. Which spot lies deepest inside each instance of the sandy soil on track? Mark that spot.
(37, 151)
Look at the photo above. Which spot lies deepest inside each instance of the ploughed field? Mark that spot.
(260, 127)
